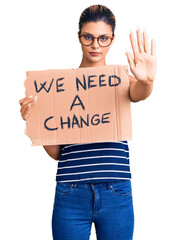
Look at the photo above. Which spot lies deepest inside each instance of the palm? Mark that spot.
(143, 66)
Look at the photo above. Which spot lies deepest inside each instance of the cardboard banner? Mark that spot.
(80, 105)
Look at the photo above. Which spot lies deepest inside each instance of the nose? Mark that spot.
(95, 43)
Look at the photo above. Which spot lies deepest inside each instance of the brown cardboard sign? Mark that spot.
(80, 105)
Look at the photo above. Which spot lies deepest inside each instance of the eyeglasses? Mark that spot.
(103, 40)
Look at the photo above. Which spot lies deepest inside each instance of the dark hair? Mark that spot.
(96, 13)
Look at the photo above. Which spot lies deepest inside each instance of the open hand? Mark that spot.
(143, 66)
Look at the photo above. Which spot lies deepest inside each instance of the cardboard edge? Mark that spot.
(26, 94)
(33, 143)
(25, 83)
(108, 65)
(26, 132)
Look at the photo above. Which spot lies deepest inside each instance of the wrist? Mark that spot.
(145, 82)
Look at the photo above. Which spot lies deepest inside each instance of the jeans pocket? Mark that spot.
(63, 188)
(122, 188)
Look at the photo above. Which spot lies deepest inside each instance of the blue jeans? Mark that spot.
(109, 205)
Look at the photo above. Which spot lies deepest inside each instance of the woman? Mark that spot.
(98, 190)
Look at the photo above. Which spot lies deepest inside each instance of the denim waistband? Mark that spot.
(99, 184)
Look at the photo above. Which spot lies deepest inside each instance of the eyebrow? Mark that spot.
(99, 35)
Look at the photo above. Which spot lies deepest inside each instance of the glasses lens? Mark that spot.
(104, 41)
(86, 39)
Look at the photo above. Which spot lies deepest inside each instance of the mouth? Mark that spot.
(94, 53)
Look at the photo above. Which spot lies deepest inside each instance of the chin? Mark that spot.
(95, 59)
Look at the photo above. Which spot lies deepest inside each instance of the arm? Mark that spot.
(138, 90)
(143, 67)
(54, 151)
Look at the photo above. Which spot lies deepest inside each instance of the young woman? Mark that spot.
(94, 179)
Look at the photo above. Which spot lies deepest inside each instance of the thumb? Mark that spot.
(130, 60)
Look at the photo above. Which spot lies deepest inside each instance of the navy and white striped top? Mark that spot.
(94, 162)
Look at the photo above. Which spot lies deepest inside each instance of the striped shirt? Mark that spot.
(94, 162)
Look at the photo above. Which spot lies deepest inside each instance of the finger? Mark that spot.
(25, 112)
(146, 42)
(25, 108)
(130, 60)
(133, 43)
(140, 41)
(153, 47)
(25, 101)
(21, 100)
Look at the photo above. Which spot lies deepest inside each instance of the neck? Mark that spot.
(85, 63)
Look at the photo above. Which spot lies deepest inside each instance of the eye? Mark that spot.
(103, 38)
(87, 37)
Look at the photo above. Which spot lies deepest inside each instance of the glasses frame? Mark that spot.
(93, 38)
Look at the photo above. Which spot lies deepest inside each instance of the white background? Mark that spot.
(38, 35)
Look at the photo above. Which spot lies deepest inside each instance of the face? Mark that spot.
(96, 29)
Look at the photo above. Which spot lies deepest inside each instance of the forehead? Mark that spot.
(97, 28)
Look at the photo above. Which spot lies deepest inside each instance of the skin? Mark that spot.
(142, 63)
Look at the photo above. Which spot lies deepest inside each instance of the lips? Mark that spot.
(94, 53)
